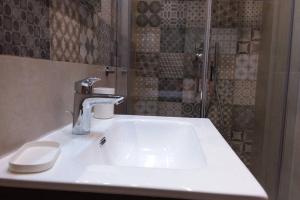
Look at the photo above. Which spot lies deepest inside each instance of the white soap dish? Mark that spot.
(35, 157)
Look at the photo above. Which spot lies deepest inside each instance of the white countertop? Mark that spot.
(223, 177)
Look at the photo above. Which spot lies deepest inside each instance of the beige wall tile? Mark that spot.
(35, 94)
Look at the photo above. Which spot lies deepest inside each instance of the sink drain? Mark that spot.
(102, 141)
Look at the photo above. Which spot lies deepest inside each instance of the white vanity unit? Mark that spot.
(149, 156)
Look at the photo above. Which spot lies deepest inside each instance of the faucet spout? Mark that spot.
(84, 101)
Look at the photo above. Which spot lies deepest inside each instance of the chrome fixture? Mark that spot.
(84, 101)
(109, 70)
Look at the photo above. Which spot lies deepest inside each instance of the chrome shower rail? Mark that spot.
(206, 58)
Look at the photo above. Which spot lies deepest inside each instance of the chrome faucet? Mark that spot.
(85, 100)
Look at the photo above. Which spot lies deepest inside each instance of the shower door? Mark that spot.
(197, 58)
(166, 74)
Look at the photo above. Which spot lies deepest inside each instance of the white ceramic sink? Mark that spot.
(148, 143)
(151, 156)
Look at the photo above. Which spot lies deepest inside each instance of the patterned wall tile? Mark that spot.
(243, 117)
(171, 109)
(242, 67)
(194, 39)
(221, 117)
(191, 65)
(227, 116)
(146, 107)
(148, 39)
(214, 114)
(242, 145)
(191, 110)
(225, 13)
(253, 65)
(247, 58)
(255, 34)
(244, 34)
(171, 65)
(172, 40)
(173, 13)
(64, 30)
(244, 92)
(104, 50)
(148, 13)
(196, 13)
(254, 47)
(250, 13)
(106, 11)
(142, 20)
(170, 89)
(189, 90)
(226, 38)
(89, 46)
(146, 88)
(142, 7)
(25, 28)
(243, 48)
(226, 66)
(147, 64)
(225, 91)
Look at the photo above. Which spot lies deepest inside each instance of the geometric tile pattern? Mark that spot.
(195, 13)
(169, 109)
(170, 89)
(226, 38)
(246, 67)
(148, 13)
(65, 30)
(172, 40)
(148, 39)
(225, 90)
(243, 117)
(173, 13)
(105, 40)
(244, 92)
(189, 90)
(89, 45)
(191, 110)
(171, 65)
(194, 38)
(106, 12)
(226, 66)
(24, 28)
(236, 26)
(191, 65)
(142, 107)
(250, 13)
(242, 143)
(147, 64)
(146, 88)
(248, 51)
(213, 114)
(225, 13)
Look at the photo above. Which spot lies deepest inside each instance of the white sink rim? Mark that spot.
(225, 176)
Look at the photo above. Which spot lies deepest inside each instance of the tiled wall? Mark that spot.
(62, 30)
(166, 33)
(37, 94)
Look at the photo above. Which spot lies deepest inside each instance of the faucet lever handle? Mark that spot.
(85, 86)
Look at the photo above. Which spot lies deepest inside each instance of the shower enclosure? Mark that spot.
(204, 58)
(195, 58)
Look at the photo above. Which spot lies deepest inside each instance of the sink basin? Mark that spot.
(182, 158)
(149, 144)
